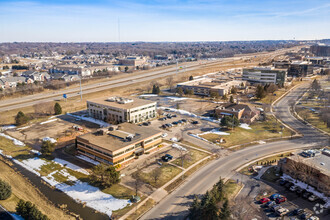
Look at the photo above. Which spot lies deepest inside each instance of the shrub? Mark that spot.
(5, 190)
(57, 109)
(29, 211)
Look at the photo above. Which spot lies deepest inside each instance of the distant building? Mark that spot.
(246, 113)
(313, 170)
(300, 69)
(71, 70)
(132, 61)
(264, 75)
(11, 82)
(205, 86)
(118, 144)
(119, 109)
(320, 50)
(36, 75)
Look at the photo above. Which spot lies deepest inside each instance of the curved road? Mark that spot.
(176, 204)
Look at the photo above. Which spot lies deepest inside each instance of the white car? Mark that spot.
(282, 211)
(313, 218)
(312, 198)
(293, 188)
(164, 135)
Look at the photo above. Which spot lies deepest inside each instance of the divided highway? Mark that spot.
(176, 204)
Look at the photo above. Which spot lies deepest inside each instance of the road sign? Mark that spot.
(64, 96)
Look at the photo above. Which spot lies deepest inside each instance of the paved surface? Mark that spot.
(4, 215)
(175, 205)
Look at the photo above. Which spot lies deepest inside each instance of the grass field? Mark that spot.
(312, 117)
(260, 130)
(167, 172)
(231, 188)
(119, 191)
(10, 149)
(191, 157)
(22, 189)
(145, 207)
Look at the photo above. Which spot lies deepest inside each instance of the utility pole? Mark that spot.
(80, 88)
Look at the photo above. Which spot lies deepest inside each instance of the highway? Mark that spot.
(176, 204)
(30, 100)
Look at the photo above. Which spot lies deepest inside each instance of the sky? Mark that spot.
(163, 20)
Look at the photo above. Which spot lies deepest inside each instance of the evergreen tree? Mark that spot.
(5, 190)
(126, 69)
(21, 118)
(260, 92)
(179, 90)
(225, 211)
(47, 148)
(229, 121)
(231, 100)
(57, 109)
(191, 78)
(194, 210)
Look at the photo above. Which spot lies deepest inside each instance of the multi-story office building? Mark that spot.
(118, 109)
(118, 144)
(264, 75)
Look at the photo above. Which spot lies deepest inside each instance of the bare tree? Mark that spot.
(155, 174)
(170, 82)
(137, 184)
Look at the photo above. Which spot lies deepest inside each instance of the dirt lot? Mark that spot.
(60, 128)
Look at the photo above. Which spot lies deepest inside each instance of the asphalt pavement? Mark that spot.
(175, 205)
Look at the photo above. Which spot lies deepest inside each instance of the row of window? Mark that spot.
(94, 149)
(152, 139)
(144, 108)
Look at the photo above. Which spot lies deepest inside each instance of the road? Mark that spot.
(4, 215)
(175, 205)
(29, 100)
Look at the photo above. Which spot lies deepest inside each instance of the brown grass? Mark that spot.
(22, 189)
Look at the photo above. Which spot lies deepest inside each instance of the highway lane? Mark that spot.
(29, 100)
(175, 205)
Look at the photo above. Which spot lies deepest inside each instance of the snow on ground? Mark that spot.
(49, 121)
(95, 121)
(6, 127)
(79, 191)
(215, 131)
(179, 147)
(35, 152)
(196, 136)
(22, 128)
(245, 126)
(52, 140)
(174, 98)
(261, 142)
(87, 159)
(184, 112)
(148, 95)
(93, 197)
(310, 189)
(70, 166)
(15, 141)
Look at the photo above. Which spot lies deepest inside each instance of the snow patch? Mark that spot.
(49, 121)
(22, 128)
(148, 95)
(52, 140)
(175, 99)
(184, 112)
(70, 166)
(7, 127)
(93, 120)
(15, 141)
(245, 126)
(87, 159)
(179, 147)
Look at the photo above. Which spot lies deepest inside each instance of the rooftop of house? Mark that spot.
(236, 107)
(319, 161)
(121, 102)
(121, 136)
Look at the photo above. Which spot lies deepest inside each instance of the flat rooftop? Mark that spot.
(115, 140)
(132, 103)
(321, 161)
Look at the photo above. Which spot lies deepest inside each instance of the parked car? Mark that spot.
(282, 211)
(184, 120)
(288, 185)
(164, 135)
(274, 196)
(195, 122)
(174, 123)
(162, 119)
(169, 156)
(305, 215)
(269, 204)
(293, 188)
(145, 123)
(299, 191)
(313, 218)
(174, 116)
(298, 211)
(283, 182)
(164, 158)
(306, 195)
(275, 207)
(313, 198)
(264, 200)
(280, 200)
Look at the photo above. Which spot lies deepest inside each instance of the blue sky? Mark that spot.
(167, 20)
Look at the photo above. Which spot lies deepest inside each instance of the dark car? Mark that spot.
(306, 195)
(299, 191)
(169, 156)
(298, 212)
(195, 122)
(288, 185)
(305, 215)
(174, 116)
(269, 204)
(174, 123)
(145, 123)
(162, 119)
(275, 196)
(164, 158)
(283, 182)
(184, 120)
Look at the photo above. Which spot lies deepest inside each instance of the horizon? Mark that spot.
(155, 21)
